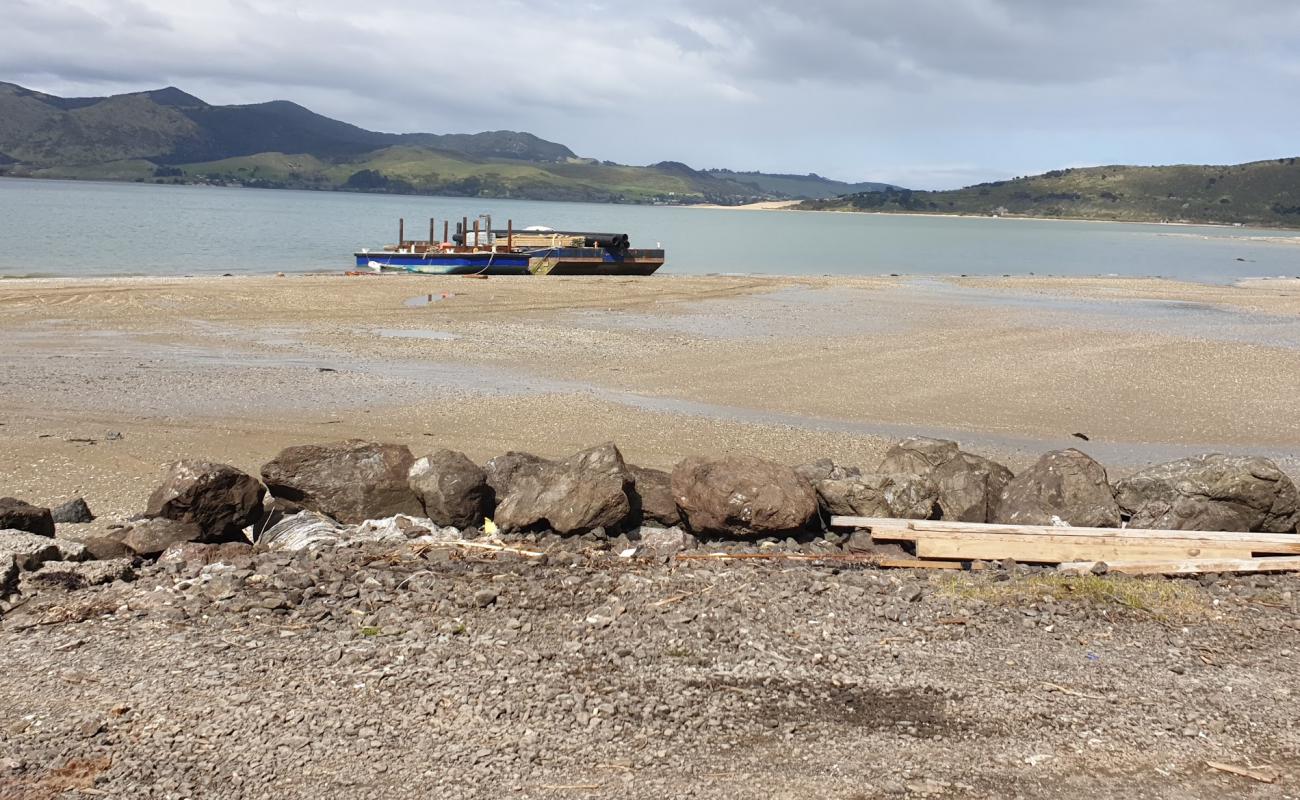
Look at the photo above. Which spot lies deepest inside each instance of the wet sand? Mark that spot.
(789, 368)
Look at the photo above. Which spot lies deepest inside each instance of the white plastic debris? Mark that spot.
(302, 531)
(308, 530)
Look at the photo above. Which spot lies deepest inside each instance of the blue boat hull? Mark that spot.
(447, 263)
(552, 261)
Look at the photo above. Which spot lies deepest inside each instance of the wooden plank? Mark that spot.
(910, 530)
(917, 563)
(1192, 566)
(1055, 549)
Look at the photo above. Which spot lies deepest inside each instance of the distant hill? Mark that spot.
(1259, 193)
(799, 187)
(170, 136)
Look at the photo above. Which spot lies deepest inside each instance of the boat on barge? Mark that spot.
(481, 250)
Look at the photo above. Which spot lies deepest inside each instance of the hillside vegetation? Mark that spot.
(169, 136)
(1259, 193)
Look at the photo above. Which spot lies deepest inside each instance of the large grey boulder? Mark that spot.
(919, 455)
(742, 496)
(220, 499)
(652, 496)
(350, 481)
(1211, 492)
(19, 515)
(1065, 486)
(452, 489)
(585, 491)
(504, 470)
(899, 495)
(28, 550)
(969, 486)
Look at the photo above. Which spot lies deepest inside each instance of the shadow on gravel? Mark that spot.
(917, 712)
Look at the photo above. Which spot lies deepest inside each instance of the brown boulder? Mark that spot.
(100, 542)
(742, 496)
(350, 481)
(452, 489)
(970, 487)
(149, 537)
(824, 469)
(652, 496)
(19, 515)
(1212, 492)
(218, 498)
(1063, 484)
(585, 491)
(901, 496)
(919, 455)
(503, 471)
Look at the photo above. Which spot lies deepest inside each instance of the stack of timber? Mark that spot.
(942, 545)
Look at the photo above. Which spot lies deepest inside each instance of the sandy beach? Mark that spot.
(236, 368)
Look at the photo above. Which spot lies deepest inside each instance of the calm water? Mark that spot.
(78, 228)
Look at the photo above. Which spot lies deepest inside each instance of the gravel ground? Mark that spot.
(436, 673)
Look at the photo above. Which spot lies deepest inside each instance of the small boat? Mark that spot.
(536, 250)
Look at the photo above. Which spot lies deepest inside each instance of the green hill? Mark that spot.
(169, 136)
(1259, 193)
(801, 187)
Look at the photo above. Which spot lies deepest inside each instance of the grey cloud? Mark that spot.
(851, 88)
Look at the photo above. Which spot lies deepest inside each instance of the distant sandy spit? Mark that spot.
(766, 205)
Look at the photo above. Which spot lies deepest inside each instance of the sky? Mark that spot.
(921, 93)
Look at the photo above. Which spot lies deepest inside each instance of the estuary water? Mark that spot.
(69, 228)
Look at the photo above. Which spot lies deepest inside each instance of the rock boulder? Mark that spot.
(970, 487)
(585, 491)
(19, 515)
(919, 455)
(1065, 484)
(452, 489)
(28, 550)
(899, 495)
(150, 537)
(1212, 492)
(74, 511)
(824, 469)
(218, 498)
(652, 496)
(742, 496)
(351, 481)
(503, 471)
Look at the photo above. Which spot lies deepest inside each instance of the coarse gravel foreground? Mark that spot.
(419, 672)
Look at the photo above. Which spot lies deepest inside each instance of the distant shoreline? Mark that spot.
(959, 215)
(765, 205)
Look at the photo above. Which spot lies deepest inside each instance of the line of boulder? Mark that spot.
(307, 494)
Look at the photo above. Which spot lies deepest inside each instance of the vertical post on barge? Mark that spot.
(446, 224)
(510, 235)
(476, 241)
(433, 231)
(401, 232)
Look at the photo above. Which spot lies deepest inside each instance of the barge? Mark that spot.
(482, 250)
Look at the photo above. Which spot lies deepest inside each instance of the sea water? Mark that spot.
(75, 228)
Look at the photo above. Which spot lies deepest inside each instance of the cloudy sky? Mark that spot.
(926, 93)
